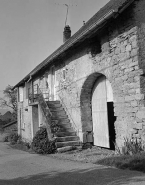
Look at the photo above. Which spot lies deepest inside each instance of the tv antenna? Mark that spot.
(67, 6)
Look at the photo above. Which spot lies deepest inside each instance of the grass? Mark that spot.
(134, 162)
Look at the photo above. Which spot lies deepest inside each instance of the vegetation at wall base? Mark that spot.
(134, 162)
(12, 138)
(131, 157)
(41, 144)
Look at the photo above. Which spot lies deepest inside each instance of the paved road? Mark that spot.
(21, 168)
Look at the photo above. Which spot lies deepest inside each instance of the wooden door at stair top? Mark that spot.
(99, 114)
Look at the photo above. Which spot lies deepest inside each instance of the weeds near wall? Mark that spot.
(131, 156)
(12, 138)
(132, 146)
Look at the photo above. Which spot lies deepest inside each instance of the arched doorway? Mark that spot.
(103, 113)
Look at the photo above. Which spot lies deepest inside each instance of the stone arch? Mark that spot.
(86, 109)
(85, 102)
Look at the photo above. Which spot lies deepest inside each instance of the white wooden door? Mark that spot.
(99, 114)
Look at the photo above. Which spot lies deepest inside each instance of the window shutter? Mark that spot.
(21, 94)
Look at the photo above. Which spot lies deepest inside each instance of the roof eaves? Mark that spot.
(74, 39)
(66, 46)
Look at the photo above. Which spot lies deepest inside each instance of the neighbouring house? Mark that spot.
(7, 117)
(10, 127)
(93, 85)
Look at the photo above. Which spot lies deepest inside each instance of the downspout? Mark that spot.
(30, 78)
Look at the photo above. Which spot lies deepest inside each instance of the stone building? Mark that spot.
(95, 81)
(10, 127)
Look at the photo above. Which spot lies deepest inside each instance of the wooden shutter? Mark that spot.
(21, 94)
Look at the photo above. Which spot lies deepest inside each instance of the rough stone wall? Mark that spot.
(69, 89)
(140, 21)
(121, 65)
(121, 61)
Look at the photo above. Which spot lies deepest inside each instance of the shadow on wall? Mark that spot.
(94, 176)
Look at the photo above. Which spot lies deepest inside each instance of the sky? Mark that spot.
(30, 30)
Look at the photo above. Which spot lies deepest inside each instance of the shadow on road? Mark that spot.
(100, 176)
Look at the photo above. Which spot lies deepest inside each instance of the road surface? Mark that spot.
(22, 168)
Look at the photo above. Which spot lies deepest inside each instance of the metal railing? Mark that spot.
(36, 95)
(34, 91)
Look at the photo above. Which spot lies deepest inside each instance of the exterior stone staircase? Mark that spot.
(66, 136)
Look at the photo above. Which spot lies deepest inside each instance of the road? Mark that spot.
(22, 168)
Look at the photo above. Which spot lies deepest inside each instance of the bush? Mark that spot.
(6, 139)
(14, 137)
(55, 127)
(41, 144)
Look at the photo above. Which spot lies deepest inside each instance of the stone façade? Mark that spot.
(116, 51)
(122, 62)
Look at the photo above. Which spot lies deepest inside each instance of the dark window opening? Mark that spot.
(96, 48)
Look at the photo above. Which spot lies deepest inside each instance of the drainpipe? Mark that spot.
(30, 78)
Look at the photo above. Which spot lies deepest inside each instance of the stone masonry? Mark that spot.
(119, 61)
(118, 52)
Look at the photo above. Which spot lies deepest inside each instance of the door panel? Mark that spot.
(109, 91)
(99, 114)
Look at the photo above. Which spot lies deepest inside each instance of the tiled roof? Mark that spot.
(112, 5)
(10, 123)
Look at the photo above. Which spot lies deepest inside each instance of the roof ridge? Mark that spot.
(112, 5)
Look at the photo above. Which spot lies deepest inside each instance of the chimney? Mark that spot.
(66, 33)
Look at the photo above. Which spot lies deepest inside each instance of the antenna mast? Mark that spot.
(66, 13)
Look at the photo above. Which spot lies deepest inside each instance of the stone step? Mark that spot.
(63, 134)
(66, 149)
(67, 129)
(55, 109)
(68, 143)
(61, 120)
(67, 138)
(59, 117)
(62, 124)
(53, 102)
(65, 125)
(58, 113)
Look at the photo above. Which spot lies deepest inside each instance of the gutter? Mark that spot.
(106, 17)
(109, 15)
(72, 41)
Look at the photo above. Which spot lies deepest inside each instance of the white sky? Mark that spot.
(30, 30)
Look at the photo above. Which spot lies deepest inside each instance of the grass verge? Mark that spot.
(134, 162)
